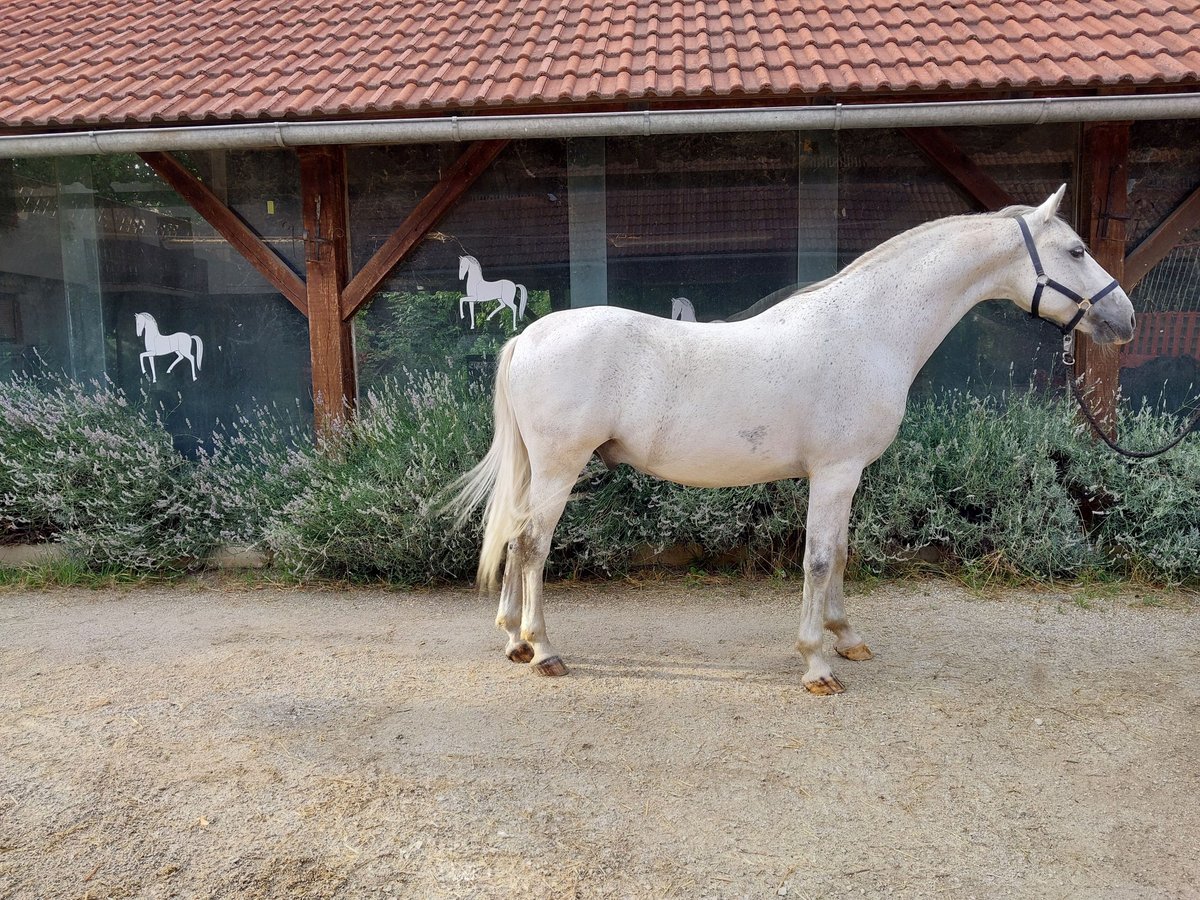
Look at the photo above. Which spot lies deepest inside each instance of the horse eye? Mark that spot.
(1078, 252)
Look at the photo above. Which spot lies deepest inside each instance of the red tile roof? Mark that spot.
(65, 62)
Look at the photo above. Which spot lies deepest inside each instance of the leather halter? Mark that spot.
(1044, 281)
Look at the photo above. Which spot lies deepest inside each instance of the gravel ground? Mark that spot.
(218, 741)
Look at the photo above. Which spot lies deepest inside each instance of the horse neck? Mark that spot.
(912, 299)
(149, 328)
(474, 276)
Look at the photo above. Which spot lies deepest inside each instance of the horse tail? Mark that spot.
(502, 477)
(524, 298)
(199, 349)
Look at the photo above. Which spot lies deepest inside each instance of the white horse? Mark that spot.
(682, 309)
(157, 344)
(814, 387)
(480, 290)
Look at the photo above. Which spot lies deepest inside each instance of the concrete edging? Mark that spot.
(19, 556)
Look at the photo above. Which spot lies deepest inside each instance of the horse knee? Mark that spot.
(818, 564)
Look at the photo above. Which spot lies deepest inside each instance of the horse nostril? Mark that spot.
(1132, 320)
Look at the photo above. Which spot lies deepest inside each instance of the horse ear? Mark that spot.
(1044, 213)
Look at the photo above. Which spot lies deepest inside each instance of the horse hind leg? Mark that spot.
(548, 494)
(508, 616)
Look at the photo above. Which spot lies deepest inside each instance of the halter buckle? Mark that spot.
(1043, 279)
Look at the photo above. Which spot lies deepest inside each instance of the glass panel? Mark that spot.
(106, 271)
(1162, 363)
(34, 324)
(713, 220)
(435, 311)
(888, 186)
(588, 223)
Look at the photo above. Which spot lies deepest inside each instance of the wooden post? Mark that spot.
(1103, 213)
(327, 259)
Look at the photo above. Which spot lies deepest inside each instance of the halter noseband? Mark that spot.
(1044, 281)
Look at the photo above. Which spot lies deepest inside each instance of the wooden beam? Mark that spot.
(972, 181)
(1162, 240)
(1103, 206)
(230, 226)
(439, 201)
(327, 260)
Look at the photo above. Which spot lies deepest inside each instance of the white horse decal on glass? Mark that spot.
(157, 344)
(480, 290)
(814, 387)
(682, 309)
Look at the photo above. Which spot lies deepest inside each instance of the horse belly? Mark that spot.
(714, 456)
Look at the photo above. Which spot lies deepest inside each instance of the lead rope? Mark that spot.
(1068, 358)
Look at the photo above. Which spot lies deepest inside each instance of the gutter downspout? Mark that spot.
(457, 128)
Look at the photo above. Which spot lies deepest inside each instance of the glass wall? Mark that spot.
(1162, 363)
(709, 227)
(505, 248)
(105, 273)
(888, 186)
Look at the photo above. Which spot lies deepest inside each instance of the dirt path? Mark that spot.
(212, 742)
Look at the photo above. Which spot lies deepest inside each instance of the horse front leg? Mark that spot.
(149, 357)
(508, 616)
(830, 494)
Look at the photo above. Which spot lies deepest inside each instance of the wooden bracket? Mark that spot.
(972, 181)
(230, 226)
(1155, 247)
(440, 200)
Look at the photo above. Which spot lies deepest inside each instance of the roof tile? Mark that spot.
(132, 61)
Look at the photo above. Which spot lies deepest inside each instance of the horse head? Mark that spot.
(1071, 289)
(682, 309)
(142, 319)
(464, 265)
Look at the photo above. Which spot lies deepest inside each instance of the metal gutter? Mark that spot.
(455, 128)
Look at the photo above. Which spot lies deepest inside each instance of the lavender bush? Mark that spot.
(369, 507)
(83, 466)
(1011, 485)
(250, 469)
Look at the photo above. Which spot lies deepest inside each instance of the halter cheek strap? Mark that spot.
(1044, 281)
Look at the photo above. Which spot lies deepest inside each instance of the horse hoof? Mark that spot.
(824, 686)
(552, 667)
(520, 652)
(858, 652)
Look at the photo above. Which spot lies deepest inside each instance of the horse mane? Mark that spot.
(890, 247)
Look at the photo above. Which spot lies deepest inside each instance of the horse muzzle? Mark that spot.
(1112, 320)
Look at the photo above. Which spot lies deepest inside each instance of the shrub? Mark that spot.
(978, 479)
(1011, 484)
(1148, 520)
(251, 469)
(81, 465)
(370, 507)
